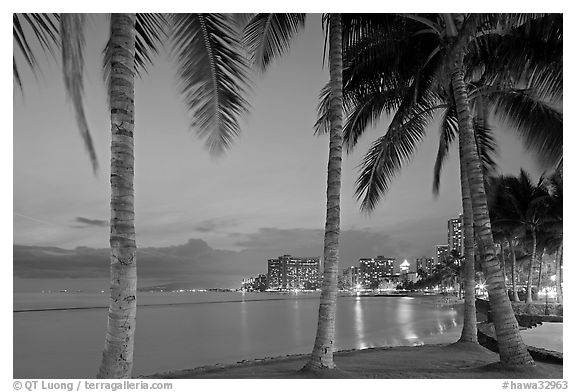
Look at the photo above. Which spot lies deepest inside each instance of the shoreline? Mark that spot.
(440, 361)
(289, 297)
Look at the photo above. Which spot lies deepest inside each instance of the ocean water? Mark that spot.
(186, 330)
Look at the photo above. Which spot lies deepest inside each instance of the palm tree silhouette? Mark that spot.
(381, 77)
(212, 73)
(268, 36)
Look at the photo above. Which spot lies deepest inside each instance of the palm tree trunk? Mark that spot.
(540, 262)
(118, 353)
(531, 268)
(469, 332)
(513, 256)
(511, 348)
(322, 353)
(503, 262)
(559, 275)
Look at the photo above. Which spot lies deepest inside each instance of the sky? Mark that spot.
(210, 221)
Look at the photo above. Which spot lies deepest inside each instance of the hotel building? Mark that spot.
(441, 253)
(287, 272)
(456, 235)
(425, 264)
(351, 277)
(373, 271)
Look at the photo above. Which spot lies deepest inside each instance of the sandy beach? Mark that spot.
(439, 361)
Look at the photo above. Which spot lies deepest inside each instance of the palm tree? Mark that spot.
(49, 32)
(502, 227)
(45, 29)
(524, 205)
(510, 345)
(212, 73)
(268, 36)
(553, 223)
(379, 76)
(379, 93)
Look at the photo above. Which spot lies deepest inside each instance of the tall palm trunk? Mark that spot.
(118, 353)
(540, 263)
(531, 268)
(469, 332)
(511, 348)
(513, 257)
(322, 353)
(559, 275)
(503, 262)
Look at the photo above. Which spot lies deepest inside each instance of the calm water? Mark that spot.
(177, 331)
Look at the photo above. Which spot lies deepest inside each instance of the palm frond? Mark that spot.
(268, 36)
(150, 35)
(426, 20)
(487, 147)
(212, 73)
(535, 121)
(322, 124)
(528, 54)
(386, 157)
(367, 110)
(45, 30)
(388, 153)
(448, 134)
(242, 19)
(72, 36)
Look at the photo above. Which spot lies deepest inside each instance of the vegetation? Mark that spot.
(430, 62)
(212, 72)
(526, 216)
(267, 36)
(472, 68)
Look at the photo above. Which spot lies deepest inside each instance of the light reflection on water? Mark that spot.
(185, 336)
(359, 319)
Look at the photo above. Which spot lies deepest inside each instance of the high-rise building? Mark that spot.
(291, 280)
(260, 282)
(456, 235)
(254, 284)
(351, 277)
(287, 272)
(424, 264)
(275, 273)
(309, 273)
(387, 264)
(441, 253)
(372, 271)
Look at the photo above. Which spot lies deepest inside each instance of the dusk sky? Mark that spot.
(264, 198)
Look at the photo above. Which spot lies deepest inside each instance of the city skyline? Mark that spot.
(203, 263)
(247, 196)
(257, 200)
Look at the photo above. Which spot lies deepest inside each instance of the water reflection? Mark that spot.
(237, 328)
(406, 319)
(296, 322)
(245, 340)
(359, 323)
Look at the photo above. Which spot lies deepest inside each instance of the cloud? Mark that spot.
(193, 262)
(211, 225)
(271, 237)
(196, 264)
(91, 222)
